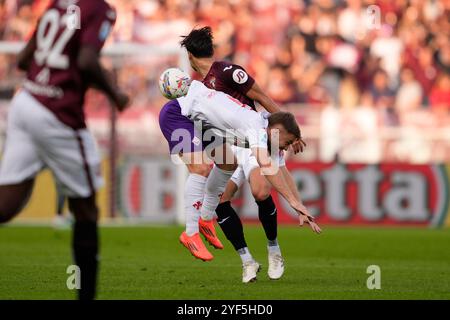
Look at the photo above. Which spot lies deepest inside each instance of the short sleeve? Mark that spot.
(237, 78)
(97, 26)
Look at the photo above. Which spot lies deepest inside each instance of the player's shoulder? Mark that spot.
(224, 66)
(228, 70)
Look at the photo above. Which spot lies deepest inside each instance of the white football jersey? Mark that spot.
(227, 116)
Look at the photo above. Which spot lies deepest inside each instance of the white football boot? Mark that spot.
(276, 266)
(249, 271)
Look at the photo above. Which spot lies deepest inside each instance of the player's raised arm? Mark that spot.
(278, 182)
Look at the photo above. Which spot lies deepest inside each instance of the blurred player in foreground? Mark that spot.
(236, 82)
(46, 122)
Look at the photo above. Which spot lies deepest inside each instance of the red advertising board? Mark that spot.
(384, 194)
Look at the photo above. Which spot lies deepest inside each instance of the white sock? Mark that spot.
(193, 197)
(245, 255)
(215, 186)
(273, 247)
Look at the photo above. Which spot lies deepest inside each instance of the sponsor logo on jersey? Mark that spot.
(227, 68)
(43, 76)
(43, 90)
(240, 76)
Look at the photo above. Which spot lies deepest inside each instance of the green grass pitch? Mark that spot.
(150, 263)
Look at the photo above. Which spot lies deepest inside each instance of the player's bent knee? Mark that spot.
(261, 193)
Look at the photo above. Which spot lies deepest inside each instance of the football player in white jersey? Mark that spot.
(228, 118)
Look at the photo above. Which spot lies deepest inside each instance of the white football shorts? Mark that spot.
(36, 139)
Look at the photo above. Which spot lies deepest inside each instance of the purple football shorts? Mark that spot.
(178, 130)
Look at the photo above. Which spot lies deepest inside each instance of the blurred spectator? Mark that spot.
(348, 92)
(383, 95)
(279, 86)
(440, 93)
(422, 64)
(409, 95)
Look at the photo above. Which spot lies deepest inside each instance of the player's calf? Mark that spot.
(231, 225)
(85, 244)
(267, 214)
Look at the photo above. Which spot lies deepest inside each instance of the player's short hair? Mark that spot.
(287, 120)
(199, 42)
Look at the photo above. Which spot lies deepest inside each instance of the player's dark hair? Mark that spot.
(287, 120)
(199, 42)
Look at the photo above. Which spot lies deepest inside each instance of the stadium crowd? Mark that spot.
(308, 54)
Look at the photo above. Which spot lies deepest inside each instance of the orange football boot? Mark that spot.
(207, 229)
(195, 245)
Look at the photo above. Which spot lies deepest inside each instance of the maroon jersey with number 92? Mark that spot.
(53, 77)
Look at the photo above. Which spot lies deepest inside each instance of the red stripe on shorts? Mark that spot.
(85, 164)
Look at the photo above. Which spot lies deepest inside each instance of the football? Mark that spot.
(174, 83)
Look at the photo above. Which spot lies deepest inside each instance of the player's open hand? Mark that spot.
(298, 145)
(314, 226)
(305, 217)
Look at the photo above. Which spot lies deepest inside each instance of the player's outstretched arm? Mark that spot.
(89, 63)
(276, 178)
(292, 186)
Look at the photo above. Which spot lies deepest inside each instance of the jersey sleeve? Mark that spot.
(97, 26)
(236, 78)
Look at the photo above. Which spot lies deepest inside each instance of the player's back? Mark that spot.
(54, 78)
(231, 79)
